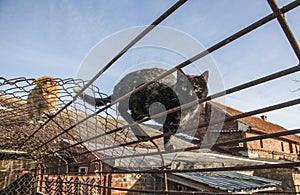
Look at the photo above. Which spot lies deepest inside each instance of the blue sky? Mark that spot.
(53, 37)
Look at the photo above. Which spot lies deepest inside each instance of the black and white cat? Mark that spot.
(169, 92)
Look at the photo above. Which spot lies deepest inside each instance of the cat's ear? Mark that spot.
(44, 78)
(180, 75)
(37, 81)
(205, 76)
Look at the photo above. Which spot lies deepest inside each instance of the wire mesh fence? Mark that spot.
(54, 142)
(22, 185)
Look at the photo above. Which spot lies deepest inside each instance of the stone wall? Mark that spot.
(290, 178)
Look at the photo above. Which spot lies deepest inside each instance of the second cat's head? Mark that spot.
(47, 84)
(190, 84)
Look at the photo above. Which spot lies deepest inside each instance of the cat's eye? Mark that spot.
(198, 90)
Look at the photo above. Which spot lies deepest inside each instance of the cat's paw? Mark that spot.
(142, 137)
(169, 147)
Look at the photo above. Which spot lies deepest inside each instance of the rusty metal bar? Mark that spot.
(144, 191)
(134, 41)
(185, 106)
(187, 62)
(285, 27)
(201, 170)
(213, 48)
(164, 166)
(266, 136)
(243, 115)
(236, 141)
(240, 87)
(228, 91)
(232, 168)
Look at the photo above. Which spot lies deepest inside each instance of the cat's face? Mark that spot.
(193, 84)
(47, 84)
(47, 88)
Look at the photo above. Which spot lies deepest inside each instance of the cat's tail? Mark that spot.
(92, 100)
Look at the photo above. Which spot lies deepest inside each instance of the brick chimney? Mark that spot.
(264, 117)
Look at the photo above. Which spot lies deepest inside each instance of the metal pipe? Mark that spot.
(135, 40)
(236, 141)
(243, 115)
(185, 106)
(285, 27)
(196, 57)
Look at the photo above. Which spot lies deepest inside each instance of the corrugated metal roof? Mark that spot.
(231, 181)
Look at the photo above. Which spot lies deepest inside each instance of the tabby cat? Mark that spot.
(150, 100)
(43, 98)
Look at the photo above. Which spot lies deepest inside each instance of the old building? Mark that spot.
(102, 178)
(93, 167)
(279, 148)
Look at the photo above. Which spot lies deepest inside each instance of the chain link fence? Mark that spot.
(78, 148)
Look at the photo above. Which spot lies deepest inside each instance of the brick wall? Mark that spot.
(104, 184)
(272, 148)
(212, 132)
(132, 181)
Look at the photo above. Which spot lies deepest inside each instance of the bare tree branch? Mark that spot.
(296, 81)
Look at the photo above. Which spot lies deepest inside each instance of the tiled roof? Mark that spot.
(257, 124)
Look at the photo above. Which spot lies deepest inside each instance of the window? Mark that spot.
(82, 170)
(261, 143)
(282, 147)
(291, 147)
